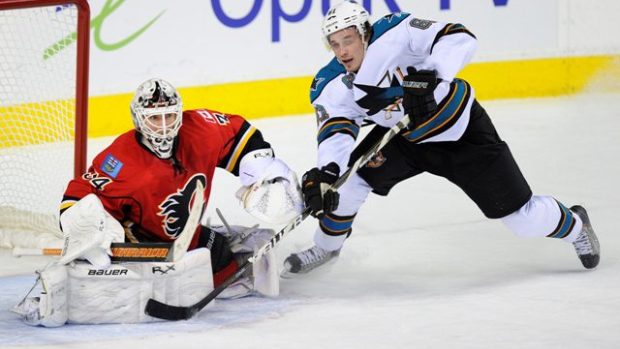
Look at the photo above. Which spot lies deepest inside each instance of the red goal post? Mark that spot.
(44, 55)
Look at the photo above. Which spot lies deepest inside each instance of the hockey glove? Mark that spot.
(315, 189)
(418, 99)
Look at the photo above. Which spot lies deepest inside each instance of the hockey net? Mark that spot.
(43, 105)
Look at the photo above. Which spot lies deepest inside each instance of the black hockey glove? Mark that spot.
(314, 186)
(418, 99)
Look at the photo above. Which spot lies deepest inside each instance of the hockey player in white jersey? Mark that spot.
(406, 65)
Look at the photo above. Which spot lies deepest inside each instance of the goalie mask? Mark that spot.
(157, 114)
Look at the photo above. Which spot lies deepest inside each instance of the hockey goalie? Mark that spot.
(150, 185)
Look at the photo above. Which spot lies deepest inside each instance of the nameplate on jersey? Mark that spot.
(422, 24)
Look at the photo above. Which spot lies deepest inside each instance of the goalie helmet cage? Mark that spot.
(44, 53)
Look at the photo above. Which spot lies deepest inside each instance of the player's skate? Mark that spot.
(307, 260)
(586, 244)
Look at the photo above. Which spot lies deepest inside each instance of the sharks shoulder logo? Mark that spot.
(315, 83)
(175, 207)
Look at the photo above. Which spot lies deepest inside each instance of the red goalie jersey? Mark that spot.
(151, 196)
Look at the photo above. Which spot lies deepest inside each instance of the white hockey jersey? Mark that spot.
(343, 100)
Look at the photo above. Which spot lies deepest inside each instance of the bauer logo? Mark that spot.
(107, 272)
(111, 166)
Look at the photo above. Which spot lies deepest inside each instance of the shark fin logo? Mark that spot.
(380, 98)
(175, 208)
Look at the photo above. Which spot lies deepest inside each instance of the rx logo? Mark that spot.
(164, 270)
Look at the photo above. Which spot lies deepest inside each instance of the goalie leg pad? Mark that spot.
(49, 309)
(119, 294)
(263, 278)
(266, 277)
(84, 294)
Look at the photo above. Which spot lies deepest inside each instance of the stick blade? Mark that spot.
(163, 311)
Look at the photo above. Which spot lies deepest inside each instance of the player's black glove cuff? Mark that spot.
(418, 99)
(218, 244)
(315, 189)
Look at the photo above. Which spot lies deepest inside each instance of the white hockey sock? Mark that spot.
(544, 216)
(353, 194)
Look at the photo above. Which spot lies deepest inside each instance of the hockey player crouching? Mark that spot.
(141, 189)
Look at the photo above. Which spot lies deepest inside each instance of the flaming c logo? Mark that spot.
(175, 208)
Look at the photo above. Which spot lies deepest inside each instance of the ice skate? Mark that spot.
(586, 244)
(306, 261)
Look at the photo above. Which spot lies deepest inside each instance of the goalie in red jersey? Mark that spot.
(139, 189)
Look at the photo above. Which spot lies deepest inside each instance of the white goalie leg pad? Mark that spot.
(119, 294)
(88, 231)
(49, 309)
(264, 277)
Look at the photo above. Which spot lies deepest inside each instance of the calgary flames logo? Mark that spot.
(175, 208)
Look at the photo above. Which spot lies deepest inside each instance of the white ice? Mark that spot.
(423, 267)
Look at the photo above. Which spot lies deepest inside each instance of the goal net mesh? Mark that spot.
(37, 117)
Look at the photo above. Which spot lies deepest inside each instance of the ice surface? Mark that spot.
(423, 267)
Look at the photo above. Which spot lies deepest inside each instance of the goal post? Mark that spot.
(44, 55)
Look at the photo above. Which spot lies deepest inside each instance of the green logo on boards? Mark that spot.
(96, 24)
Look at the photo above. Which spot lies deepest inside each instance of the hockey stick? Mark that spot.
(121, 252)
(160, 310)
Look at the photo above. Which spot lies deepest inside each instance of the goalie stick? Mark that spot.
(121, 252)
(160, 310)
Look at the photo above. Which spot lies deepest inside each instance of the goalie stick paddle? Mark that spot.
(160, 310)
(181, 244)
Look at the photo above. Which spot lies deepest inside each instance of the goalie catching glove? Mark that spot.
(270, 190)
